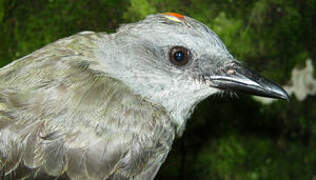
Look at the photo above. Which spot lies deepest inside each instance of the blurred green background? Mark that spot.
(227, 138)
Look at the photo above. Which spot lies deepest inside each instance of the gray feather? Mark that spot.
(99, 106)
(73, 119)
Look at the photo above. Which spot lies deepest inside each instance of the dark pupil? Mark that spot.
(179, 56)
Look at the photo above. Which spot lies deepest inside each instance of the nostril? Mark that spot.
(230, 71)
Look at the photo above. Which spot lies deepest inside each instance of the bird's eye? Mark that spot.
(179, 55)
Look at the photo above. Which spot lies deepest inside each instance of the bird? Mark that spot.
(109, 106)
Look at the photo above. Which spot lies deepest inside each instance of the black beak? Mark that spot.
(235, 77)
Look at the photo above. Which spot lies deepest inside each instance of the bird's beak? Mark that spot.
(235, 77)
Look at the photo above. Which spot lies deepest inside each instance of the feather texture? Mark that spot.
(61, 117)
(106, 106)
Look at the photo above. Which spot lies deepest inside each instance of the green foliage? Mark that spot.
(246, 157)
(226, 138)
(138, 9)
(1, 9)
(226, 159)
(235, 36)
(29, 25)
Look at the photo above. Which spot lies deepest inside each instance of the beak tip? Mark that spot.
(280, 93)
(285, 96)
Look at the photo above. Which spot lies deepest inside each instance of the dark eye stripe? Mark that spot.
(179, 55)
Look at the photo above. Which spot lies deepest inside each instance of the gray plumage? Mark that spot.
(105, 106)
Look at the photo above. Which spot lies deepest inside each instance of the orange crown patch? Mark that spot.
(174, 16)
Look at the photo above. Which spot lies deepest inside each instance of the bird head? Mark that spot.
(176, 61)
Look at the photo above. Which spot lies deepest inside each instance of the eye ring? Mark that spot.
(179, 55)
